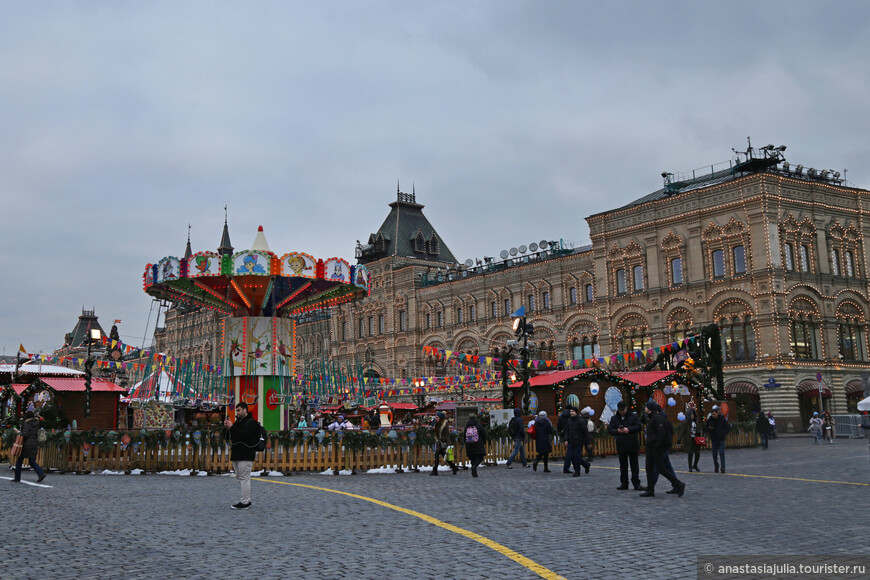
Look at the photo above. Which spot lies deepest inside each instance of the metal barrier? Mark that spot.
(848, 426)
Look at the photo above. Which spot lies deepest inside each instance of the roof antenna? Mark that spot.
(225, 214)
(397, 187)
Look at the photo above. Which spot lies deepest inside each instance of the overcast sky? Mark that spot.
(123, 122)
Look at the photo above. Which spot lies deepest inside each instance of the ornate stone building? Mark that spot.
(773, 254)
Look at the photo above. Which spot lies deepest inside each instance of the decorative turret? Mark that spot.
(226, 248)
(405, 233)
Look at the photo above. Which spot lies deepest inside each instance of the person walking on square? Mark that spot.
(717, 429)
(543, 446)
(762, 425)
(560, 430)
(30, 432)
(657, 435)
(828, 425)
(475, 442)
(772, 422)
(518, 435)
(244, 435)
(442, 442)
(816, 427)
(577, 437)
(624, 427)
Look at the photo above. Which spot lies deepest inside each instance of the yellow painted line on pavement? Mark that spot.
(503, 550)
(759, 476)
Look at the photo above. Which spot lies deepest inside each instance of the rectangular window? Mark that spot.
(507, 307)
(637, 274)
(472, 315)
(620, 281)
(344, 330)
(835, 262)
(789, 257)
(546, 298)
(572, 295)
(403, 323)
(850, 264)
(362, 327)
(493, 309)
(739, 256)
(382, 323)
(428, 320)
(531, 302)
(371, 325)
(718, 264)
(440, 319)
(590, 293)
(805, 258)
(677, 271)
(459, 315)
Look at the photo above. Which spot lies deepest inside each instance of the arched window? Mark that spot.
(738, 334)
(633, 332)
(850, 330)
(679, 324)
(804, 320)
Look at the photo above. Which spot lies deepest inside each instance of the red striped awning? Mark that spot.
(741, 388)
(810, 388)
(854, 386)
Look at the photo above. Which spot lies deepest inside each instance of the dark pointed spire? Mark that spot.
(226, 248)
(187, 251)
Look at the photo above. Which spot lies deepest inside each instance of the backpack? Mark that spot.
(471, 435)
(261, 443)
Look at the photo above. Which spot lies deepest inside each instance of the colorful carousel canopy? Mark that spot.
(256, 282)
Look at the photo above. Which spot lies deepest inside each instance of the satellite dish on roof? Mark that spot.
(543, 244)
(533, 247)
(503, 254)
(469, 263)
(523, 249)
(513, 251)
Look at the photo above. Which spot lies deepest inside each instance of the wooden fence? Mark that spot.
(304, 457)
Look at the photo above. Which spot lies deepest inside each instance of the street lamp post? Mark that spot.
(524, 329)
(91, 338)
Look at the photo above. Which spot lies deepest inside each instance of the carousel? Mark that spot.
(260, 293)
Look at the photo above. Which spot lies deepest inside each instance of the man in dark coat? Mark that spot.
(30, 432)
(577, 437)
(543, 447)
(560, 429)
(475, 442)
(244, 435)
(517, 431)
(762, 425)
(717, 429)
(656, 444)
(624, 427)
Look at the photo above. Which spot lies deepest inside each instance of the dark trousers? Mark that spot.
(520, 450)
(32, 459)
(439, 453)
(625, 459)
(476, 460)
(694, 454)
(545, 457)
(575, 454)
(655, 466)
(666, 458)
(718, 448)
(763, 440)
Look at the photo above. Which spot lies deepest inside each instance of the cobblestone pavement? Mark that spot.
(153, 526)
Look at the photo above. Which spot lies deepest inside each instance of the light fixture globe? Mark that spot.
(593, 388)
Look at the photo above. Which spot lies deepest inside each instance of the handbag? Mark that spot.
(700, 441)
(532, 430)
(450, 456)
(17, 446)
(42, 437)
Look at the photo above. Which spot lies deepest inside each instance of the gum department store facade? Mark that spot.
(776, 256)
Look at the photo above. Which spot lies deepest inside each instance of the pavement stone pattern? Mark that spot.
(153, 526)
